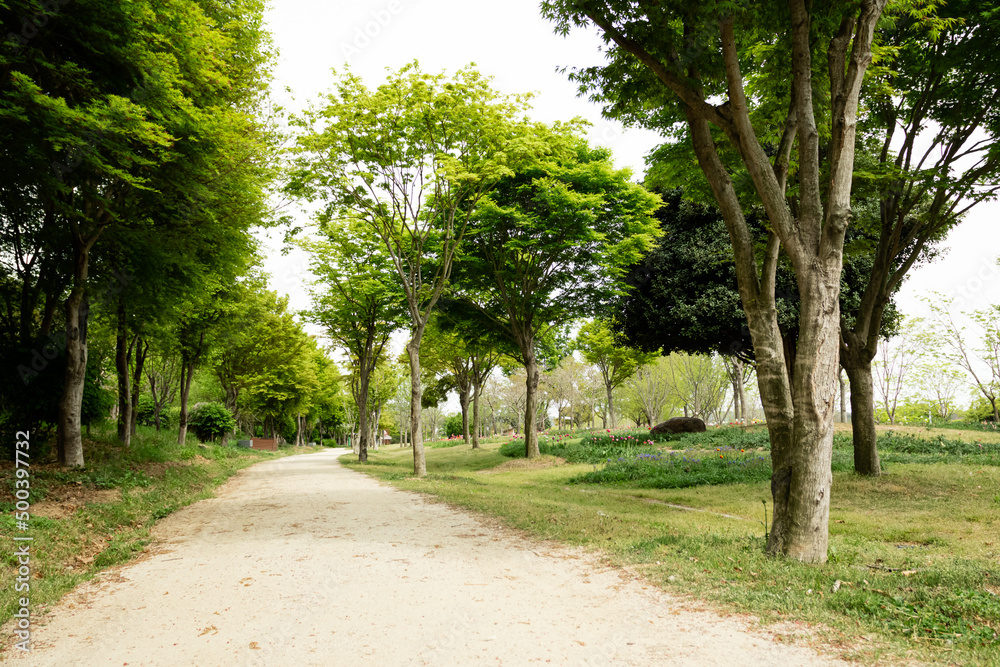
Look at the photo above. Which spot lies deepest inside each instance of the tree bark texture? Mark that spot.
(69, 438)
(463, 400)
(476, 390)
(123, 354)
(843, 395)
(530, 400)
(187, 371)
(611, 403)
(141, 352)
(859, 372)
(416, 393)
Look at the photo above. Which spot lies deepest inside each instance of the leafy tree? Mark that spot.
(748, 71)
(412, 159)
(118, 120)
(210, 421)
(648, 390)
(932, 126)
(357, 300)
(443, 352)
(617, 363)
(895, 363)
(980, 361)
(548, 246)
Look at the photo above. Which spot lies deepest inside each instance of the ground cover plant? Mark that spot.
(84, 520)
(913, 567)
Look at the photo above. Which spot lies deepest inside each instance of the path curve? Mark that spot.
(300, 561)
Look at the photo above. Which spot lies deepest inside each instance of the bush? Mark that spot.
(210, 421)
(980, 411)
(453, 425)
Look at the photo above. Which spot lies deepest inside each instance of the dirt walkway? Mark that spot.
(300, 561)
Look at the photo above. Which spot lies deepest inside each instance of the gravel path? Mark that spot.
(300, 561)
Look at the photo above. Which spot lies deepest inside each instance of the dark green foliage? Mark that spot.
(29, 399)
(210, 421)
(684, 297)
(453, 425)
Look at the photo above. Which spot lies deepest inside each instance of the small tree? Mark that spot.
(412, 159)
(982, 361)
(893, 366)
(549, 245)
(210, 421)
(615, 362)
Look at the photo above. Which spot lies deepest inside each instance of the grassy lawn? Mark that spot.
(83, 521)
(914, 569)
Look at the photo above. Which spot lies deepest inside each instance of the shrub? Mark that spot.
(210, 421)
(453, 425)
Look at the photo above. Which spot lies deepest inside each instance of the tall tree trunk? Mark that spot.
(463, 400)
(864, 436)
(530, 400)
(141, 351)
(611, 404)
(187, 370)
(843, 397)
(803, 531)
(743, 396)
(416, 393)
(123, 354)
(476, 425)
(364, 419)
(69, 438)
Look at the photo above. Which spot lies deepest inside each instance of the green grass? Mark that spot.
(118, 497)
(676, 470)
(915, 551)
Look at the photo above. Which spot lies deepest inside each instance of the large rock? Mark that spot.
(679, 425)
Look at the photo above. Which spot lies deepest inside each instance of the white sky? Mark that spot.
(513, 43)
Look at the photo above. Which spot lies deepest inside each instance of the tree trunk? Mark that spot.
(864, 436)
(843, 397)
(416, 393)
(123, 354)
(463, 400)
(476, 425)
(187, 370)
(69, 438)
(803, 475)
(530, 400)
(611, 404)
(141, 351)
(741, 386)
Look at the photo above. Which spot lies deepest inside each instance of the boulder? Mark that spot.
(679, 425)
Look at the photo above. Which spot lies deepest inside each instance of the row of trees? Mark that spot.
(738, 90)
(931, 365)
(439, 199)
(139, 152)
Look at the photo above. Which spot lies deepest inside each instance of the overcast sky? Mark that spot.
(511, 42)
